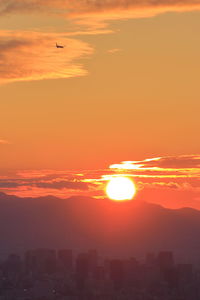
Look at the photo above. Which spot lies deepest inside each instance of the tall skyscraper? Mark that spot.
(117, 273)
(165, 260)
(65, 259)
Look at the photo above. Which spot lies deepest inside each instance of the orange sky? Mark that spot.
(171, 181)
(124, 88)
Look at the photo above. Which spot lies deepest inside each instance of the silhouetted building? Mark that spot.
(165, 260)
(171, 277)
(93, 259)
(65, 259)
(117, 279)
(13, 264)
(185, 272)
(131, 269)
(117, 273)
(150, 259)
(82, 270)
(99, 273)
(41, 260)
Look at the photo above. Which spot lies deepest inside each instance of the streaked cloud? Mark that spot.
(4, 142)
(29, 56)
(114, 50)
(36, 183)
(172, 181)
(48, 184)
(174, 165)
(165, 180)
(99, 9)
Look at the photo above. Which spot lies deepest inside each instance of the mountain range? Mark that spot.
(114, 228)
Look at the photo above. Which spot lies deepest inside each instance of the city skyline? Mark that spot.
(50, 274)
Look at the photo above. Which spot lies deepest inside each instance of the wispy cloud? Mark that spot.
(172, 181)
(114, 50)
(99, 9)
(36, 183)
(28, 56)
(4, 142)
(44, 184)
(174, 165)
(161, 178)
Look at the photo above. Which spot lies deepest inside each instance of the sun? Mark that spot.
(120, 189)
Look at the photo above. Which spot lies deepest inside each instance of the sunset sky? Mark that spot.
(122, 97)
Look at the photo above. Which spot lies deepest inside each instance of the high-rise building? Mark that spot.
(65, 259)
(150, 259)
(117, 273)
(82, 270)
(185, 272)
(93, 259)
(13, 263)
(99, 273)
(165, 260)
(167, 267)
(41, 260)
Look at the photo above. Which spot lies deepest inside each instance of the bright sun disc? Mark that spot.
(120, 189)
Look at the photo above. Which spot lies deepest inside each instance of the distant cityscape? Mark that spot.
(45, 274)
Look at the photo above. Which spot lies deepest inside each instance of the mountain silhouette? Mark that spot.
(120, 229)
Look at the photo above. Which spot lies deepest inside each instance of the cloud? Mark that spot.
(172, 181)
(180, 174)
(184, 186)
(165, 164)
(36, 183)
(29, 56)
(114, 50)
(102, 9)
(74, 185)
(97, 14)
(4, 142)
(54, 184)
(174, 162)
(8, 184)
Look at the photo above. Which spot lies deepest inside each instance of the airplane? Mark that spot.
(59, 46)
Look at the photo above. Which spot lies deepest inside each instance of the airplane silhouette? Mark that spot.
(59, 46)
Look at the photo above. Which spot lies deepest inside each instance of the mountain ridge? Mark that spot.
(120, 229)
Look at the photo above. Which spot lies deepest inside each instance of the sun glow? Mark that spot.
(120, 189)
